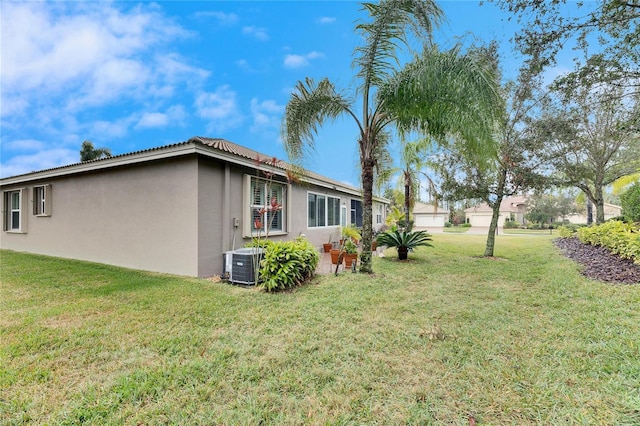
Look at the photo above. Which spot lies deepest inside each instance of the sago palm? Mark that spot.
(404, 241)
(463, 84)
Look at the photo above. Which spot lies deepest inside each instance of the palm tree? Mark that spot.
(411, 162)
(388, 96)
(88, 152)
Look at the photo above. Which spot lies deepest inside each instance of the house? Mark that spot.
(511, 208)
(173, 209)
(610, 211)
(429, 216)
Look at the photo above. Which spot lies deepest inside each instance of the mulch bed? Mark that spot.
(599, 263)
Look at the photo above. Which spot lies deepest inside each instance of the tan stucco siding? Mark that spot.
(214, 210)
(139, 217)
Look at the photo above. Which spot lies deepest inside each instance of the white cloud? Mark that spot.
(45, 159)
(220, 108)
(226, 19)
(266, 115)
(259, 33)
(326, 20)
(112, 129)
(175, 115)
(299, 61)
(23, 145)
(174, 68)
(67, 56)
(52, 46)
(153, 119)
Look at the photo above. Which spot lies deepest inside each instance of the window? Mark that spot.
(356, 213)
(378, 214)
(322, 210)
(267, 206)
(42, 200)
(14, 205)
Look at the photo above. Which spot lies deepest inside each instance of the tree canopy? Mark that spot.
(88, 152)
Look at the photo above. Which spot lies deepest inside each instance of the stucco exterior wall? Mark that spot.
(141, 217)
(173, 214)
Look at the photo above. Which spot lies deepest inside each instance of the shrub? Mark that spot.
(287, 264)
(620, 238)
(447, 224)
(466, 225)
(630, 201)
(568, 229)
(511, 224)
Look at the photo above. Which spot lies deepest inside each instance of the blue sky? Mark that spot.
(130, 76)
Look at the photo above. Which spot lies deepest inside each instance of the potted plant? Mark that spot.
(351, 233)
(350, 253)
(336, 259)
(327, 246)
(404, 241)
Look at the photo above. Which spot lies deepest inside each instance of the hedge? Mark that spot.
(619, 237)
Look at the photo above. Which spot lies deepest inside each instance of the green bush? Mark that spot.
(630, 201)
(287, 264)
(466, 225)
(566, 232)
(447, 224)
(511, 224)
(620, 238)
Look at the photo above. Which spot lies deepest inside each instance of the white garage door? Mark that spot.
(480, 220)
(429, 220)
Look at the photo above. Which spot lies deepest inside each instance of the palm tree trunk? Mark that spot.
(367, 223)
(407, 204)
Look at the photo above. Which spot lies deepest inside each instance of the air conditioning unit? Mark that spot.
(240, 265)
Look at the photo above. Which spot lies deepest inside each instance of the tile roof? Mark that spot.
(217, 144)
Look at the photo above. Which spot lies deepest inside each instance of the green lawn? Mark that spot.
(457, 229)
(520, 339)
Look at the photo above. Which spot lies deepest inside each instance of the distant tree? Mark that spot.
(631, 202)
(545, 208)
(513, 170)
(590, 139)
(541, 209)
(88, 152)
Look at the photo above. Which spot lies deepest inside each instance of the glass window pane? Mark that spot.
(15, 220)
(311, 208)
(275, 220)
(333, 211)
(257, 191)
(321, 210)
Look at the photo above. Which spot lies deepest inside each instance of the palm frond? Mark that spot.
(390, 22)
(443, 94)
(308, 108)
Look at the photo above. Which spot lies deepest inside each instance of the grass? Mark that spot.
(530, 231)
(519, 339)
(456, 229)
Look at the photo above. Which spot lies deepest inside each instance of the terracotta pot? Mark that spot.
(335, 255)
(327, 247)
(349, 259)
(374, 245)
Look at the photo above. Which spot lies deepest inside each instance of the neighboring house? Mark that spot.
(512, 208)
(173, 209)
(429, 216)
(610, 211)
